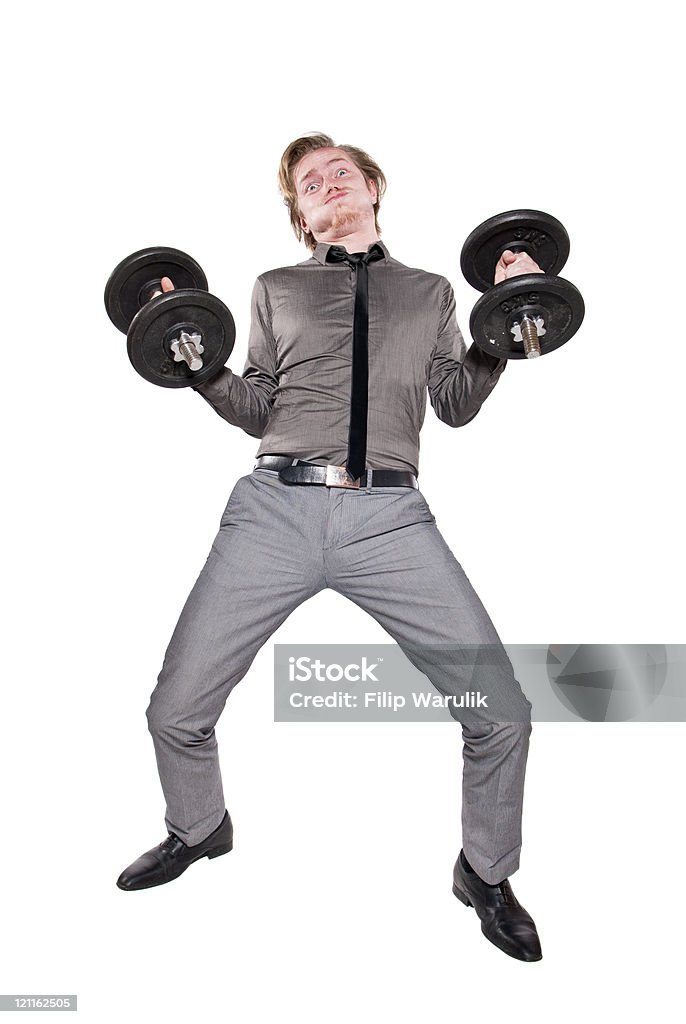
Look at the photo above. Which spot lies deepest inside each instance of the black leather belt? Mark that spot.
(297, 471)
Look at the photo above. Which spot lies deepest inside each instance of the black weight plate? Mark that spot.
(125, 289)
(539, 234)
(155, 326)
(561, 303)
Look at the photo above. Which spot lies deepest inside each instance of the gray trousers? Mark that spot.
(279, 544)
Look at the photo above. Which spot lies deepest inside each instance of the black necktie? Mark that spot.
(357, 437)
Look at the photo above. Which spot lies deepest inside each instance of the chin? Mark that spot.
(346, 219)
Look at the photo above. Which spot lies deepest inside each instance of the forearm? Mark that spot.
(238, 401)
(463, 389)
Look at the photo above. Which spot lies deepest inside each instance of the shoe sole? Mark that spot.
(462, 897)
(218, 851)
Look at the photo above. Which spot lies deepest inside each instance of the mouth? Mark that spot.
(338, 195)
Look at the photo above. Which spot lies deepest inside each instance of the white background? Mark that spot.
(136, 124)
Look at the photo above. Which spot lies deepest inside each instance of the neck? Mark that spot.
(354, 241)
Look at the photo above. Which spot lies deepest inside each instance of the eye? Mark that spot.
(342, 169)
(311, 185)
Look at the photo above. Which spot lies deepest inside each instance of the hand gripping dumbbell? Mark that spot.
(531, 314)
(174, 339)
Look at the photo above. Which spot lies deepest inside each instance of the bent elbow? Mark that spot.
(455, 417)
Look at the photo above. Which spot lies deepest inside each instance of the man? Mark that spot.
(342, 351)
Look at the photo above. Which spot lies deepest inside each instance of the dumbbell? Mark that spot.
(174, 339)
(531, 314)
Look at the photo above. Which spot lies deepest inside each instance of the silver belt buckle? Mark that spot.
(338, 476)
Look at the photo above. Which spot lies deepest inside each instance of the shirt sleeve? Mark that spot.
(460, 379)
(247, 401)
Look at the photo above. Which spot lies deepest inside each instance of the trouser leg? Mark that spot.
(262, 564)
(389, 557)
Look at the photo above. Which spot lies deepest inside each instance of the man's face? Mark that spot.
(334, 197)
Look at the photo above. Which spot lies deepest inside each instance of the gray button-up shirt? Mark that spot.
(295, 389)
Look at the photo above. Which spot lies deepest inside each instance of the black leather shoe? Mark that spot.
(171, 858)
(504, 921)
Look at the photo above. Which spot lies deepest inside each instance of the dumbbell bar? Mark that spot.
(175, 339)
(531, 314)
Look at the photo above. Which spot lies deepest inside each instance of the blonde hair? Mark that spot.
(308, 144)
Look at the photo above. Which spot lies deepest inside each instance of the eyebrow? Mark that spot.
(328, 164)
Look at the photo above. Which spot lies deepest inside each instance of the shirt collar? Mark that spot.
(322, 248)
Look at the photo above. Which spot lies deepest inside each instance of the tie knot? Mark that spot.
(337, 254)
